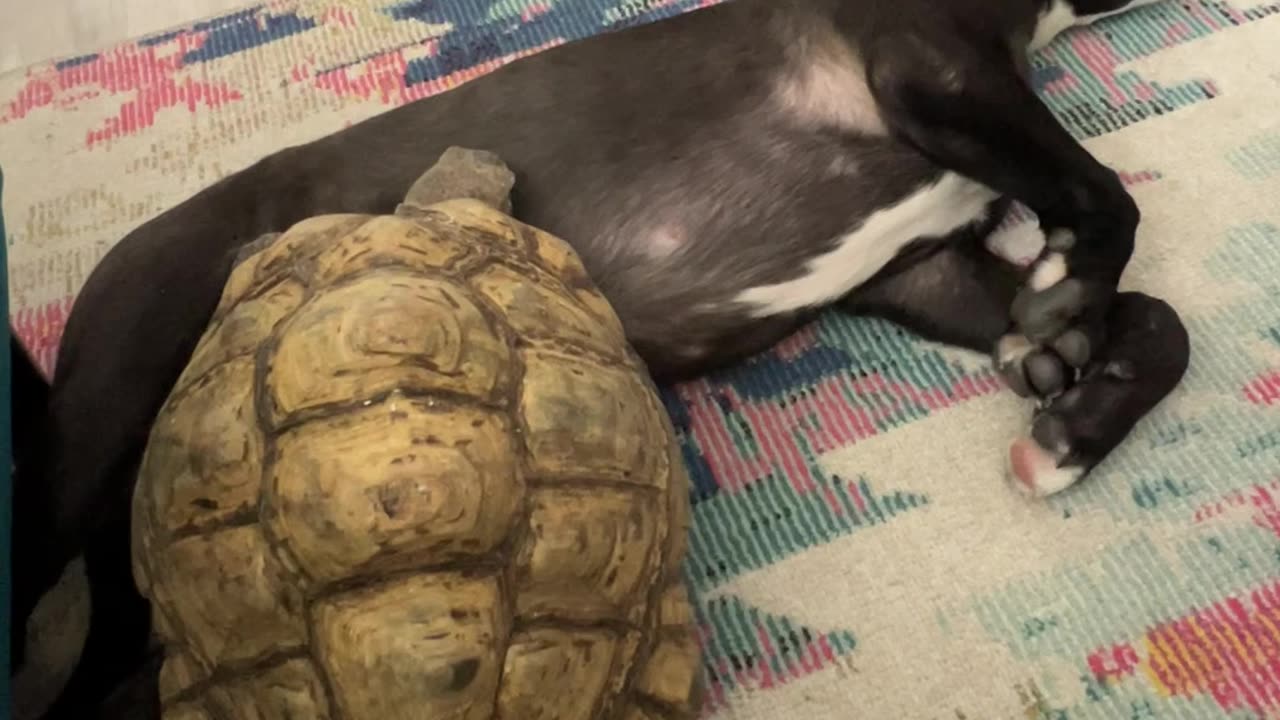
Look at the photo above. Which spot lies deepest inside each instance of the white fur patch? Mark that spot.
(949, 203)
(1020, 243)
(826, 85)
(843, 166)
(1048, 272)
(1034, 470)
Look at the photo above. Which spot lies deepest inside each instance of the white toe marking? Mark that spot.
(1034, 470)
(1054, 480)
(1020, 243)
(1049, 272)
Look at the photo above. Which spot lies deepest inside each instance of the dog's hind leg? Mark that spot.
(959, 294)
(1146, 355)
(964, 103)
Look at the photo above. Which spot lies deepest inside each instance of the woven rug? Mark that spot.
(855, 549)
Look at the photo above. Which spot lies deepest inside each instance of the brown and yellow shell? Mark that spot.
(413, 471)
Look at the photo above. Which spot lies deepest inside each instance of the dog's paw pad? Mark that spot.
(1030, 371)
(1074, 347)
(1043, 315)
(1046, 374)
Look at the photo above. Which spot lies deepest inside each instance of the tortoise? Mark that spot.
(414, 471)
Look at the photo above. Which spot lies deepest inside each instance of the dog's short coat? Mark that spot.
(723, 175)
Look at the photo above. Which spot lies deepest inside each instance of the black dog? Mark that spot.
(723, 175)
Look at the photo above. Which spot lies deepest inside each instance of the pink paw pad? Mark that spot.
(1036, 471)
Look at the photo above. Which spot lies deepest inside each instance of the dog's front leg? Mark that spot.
(962, 101)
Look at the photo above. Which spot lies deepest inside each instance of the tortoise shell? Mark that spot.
(414, 471)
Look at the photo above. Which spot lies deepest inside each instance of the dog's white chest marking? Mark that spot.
(935, 210)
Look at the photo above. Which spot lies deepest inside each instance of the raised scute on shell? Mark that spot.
(413, 470)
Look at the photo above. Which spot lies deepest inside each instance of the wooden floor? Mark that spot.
(35, 30)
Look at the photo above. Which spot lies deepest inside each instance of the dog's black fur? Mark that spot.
(670, 131)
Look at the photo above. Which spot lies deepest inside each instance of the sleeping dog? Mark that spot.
(723, 175)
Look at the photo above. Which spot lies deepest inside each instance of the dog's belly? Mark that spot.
(733, 289)
(936, 210)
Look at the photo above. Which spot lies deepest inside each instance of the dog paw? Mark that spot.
(1047, 462)
(1031, 370)
(1045, 314)
(1057, 329)
(1147, 354)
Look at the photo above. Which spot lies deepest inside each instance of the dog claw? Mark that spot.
(1010, 358)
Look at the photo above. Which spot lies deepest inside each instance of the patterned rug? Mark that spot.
(856, 551)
